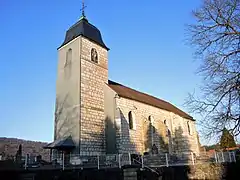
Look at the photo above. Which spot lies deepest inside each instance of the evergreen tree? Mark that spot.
(20, 150)
(227, 140)
(18, 156)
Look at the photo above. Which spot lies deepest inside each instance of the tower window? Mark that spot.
(94, 55)
(68, 63)
(131, 120)
(189, 128)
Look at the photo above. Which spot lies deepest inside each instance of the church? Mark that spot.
(97, 116)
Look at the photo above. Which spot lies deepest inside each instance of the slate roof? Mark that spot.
(85, 29)
(132, 94)
(65, 143)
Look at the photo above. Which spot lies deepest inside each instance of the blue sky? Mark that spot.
(148, 52)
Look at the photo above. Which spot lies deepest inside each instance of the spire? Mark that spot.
(83, 10)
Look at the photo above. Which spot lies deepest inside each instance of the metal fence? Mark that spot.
(144, 161)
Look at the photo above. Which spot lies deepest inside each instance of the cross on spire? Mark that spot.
(83, 8)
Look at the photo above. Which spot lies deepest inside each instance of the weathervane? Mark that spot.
(83, 8)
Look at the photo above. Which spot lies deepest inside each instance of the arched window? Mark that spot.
(165, 122)
(169, 141)
(166, 127)
(131, 120)
(189, 128)
(168, 133)
(68, 63)
(151, 120)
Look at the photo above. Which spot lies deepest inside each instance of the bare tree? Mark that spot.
(216, 37)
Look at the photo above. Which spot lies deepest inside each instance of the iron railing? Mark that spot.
(143, 161)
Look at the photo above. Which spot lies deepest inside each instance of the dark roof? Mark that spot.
(84, 28)
(65, 143)
(129, 93)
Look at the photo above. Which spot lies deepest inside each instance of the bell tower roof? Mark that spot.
(85, 29)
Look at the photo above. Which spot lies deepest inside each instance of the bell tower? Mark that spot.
(82, 73)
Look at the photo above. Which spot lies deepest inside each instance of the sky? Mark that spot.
(148, 52)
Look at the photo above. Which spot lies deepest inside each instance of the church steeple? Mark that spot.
(85, 29)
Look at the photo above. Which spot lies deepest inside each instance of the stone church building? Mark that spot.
(95, 115)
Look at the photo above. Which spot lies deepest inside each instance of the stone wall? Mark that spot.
(111, 120)
(207, 171)
(140, 139)
(93, 78)
(80, 96)
(67, 93)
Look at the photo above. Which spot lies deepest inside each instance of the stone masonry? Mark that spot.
(93, 78)
(67, 113)
(80, 97)
(140, 140)
(93, 114)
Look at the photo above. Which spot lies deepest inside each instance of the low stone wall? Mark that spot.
(207, 171)
(203, 171)
(130, 174)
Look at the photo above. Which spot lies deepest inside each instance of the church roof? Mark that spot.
(65, 143)
(132, 94)
(85, 29)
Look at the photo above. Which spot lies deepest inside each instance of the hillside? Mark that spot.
(9, 147)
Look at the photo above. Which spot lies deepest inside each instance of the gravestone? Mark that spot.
(130, 174)
(154, 149)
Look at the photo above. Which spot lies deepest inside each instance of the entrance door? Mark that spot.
(66, 157)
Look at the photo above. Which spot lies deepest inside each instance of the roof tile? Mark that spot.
(132, 94)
